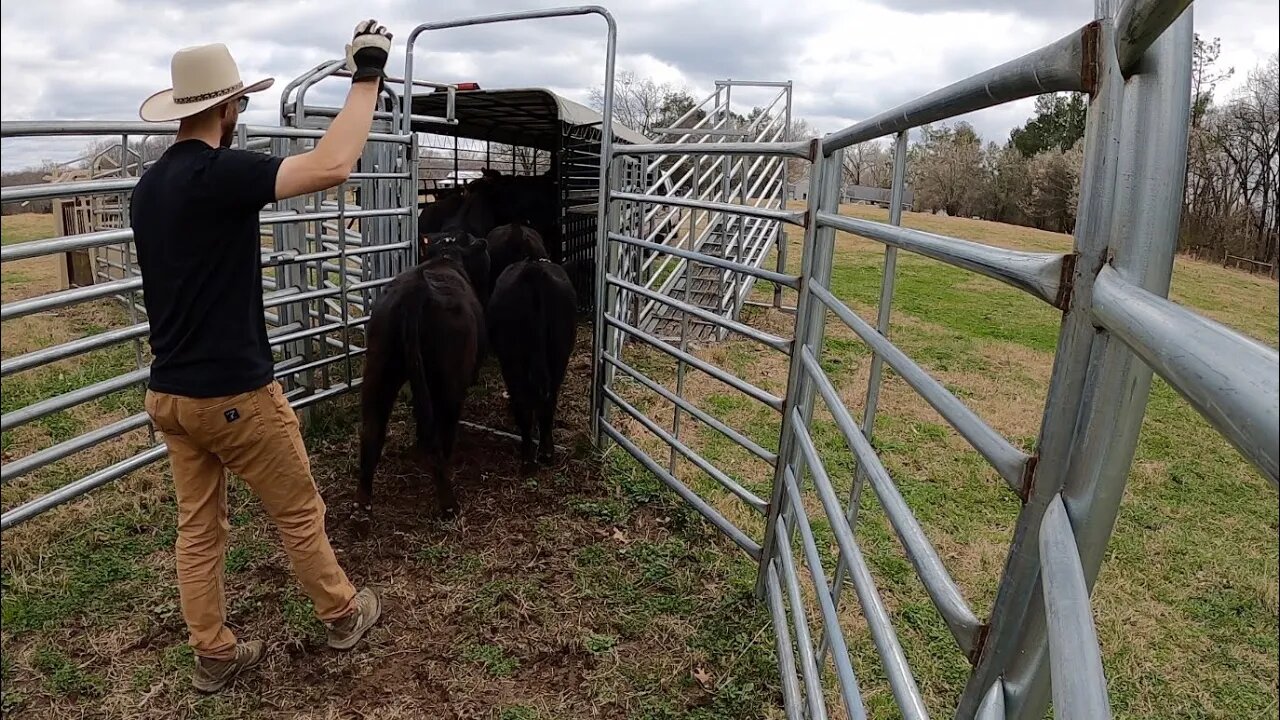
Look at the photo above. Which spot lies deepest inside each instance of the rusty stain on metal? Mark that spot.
(1029, 476)
(1089, 37)
(1066, 282)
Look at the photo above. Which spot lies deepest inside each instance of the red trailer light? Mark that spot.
(468, 86)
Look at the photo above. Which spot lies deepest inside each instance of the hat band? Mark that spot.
(208, 96)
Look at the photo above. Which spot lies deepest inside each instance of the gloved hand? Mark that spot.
(367, 53)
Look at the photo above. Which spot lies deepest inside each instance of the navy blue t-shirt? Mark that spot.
(195, 225)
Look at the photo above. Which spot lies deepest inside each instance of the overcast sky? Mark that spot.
(98, 59)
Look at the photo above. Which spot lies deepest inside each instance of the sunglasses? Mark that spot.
(242, 103)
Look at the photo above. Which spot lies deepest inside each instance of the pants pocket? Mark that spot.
(231, 424)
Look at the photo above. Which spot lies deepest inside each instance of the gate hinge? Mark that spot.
(1090, 35)
(1066, 281)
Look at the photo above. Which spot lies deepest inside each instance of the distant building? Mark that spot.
(799, 190)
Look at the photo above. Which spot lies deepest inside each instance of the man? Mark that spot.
(212, 391)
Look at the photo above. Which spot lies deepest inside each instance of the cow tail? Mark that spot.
(539, 375)
(411, 341)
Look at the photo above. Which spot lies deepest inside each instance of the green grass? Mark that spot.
(24, 227)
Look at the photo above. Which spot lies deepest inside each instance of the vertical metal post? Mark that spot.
(781, 242)
(684, 332)
(1018, 597)
(602, 228)
(811, 316)
(1144, 237)
(130, 263)
(883, 315)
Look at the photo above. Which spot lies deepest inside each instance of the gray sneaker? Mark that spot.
(213, 675)
(344, 633)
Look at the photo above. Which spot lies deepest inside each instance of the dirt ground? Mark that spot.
(575, 591)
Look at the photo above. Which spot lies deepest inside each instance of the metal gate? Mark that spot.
(1117, 327)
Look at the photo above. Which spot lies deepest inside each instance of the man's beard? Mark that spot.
(228, 134)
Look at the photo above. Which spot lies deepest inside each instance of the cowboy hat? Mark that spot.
(203, 76)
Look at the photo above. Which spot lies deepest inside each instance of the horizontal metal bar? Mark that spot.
(799, 149)
(755, 83)
(1233, 381)
(698, 131)
(1075, 659)
(41, 128)
(72, 348)
(693, 410)
(67, 243)
(1009, 461)
(284, 218)
(1039, 274)
(943, 591)
(293, 132)
(306, 333)
(714, 472)
(369, 284)
(40, 191)
(63, 298)
(315, 364)
(26, 511)
(739, 538)
(782, 345)
(877, 622)
(729, 379)
(289, 296)
(1053, 68)
(1138, 24)
(67, 448)
(48, 406)
(792, 217)
(790, 281)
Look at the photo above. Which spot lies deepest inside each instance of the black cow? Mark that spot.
(511, 242)
(428, 329)
(496, 199)
(532, 325)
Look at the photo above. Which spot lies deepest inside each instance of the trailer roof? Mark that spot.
(529, 117)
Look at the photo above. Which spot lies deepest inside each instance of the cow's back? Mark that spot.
(532, 319)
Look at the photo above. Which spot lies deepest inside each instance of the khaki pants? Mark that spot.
(256, 436)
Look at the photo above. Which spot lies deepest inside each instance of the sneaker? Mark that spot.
(344, 633)
(213, 675)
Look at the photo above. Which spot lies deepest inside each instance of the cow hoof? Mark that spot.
(362, 521)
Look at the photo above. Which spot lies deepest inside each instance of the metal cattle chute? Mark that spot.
(685, 228)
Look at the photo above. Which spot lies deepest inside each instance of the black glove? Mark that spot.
(367, 53)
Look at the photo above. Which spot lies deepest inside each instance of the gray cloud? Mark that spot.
(849, 59)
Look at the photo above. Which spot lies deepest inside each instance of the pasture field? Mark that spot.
(588, 590)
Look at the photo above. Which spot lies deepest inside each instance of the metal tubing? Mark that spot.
(67, 243)
(737, 536)
(1233, 381)
(799, 149)
(877, 621)
(39, 191)
(1138, 24)
(792, 217)
(1010, 649)
(694, 410)
(816, 260)
(715, 473)
(80, 346)
(789, 280)
(57, 403)
(791, 702)
(1079, 684)
(67, 448)
(731, 380)
(782, 345)
(1009, 462)
(883, 314)
(800, 623)
(26, 511)
(41, 128)
(1052, 68)
(1039, 274)
(951, 605)
(992, 707)
(943, 591)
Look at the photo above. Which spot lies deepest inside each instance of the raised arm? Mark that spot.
(330, 163)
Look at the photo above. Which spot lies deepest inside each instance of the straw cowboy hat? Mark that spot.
(203, 76)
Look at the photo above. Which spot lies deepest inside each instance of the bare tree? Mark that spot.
(637, 102)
